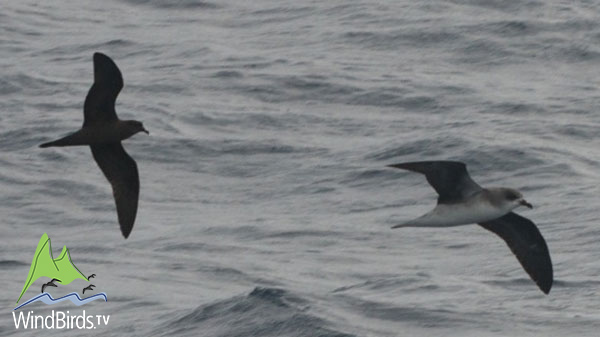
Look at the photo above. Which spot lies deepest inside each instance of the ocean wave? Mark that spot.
(12, 264)
(181, 4)
(264, 312)
(426, 317)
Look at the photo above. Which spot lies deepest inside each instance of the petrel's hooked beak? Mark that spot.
(525, 203)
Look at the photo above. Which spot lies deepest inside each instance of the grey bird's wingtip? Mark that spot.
(528, 245)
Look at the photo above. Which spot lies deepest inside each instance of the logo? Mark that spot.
(60, 271)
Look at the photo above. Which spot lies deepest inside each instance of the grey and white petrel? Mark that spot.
(103, 131)
(462, 201)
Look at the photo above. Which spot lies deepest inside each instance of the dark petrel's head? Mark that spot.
(134, 127)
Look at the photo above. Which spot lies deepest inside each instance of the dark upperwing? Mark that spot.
(99, 106)
(450, 179)
(122, 173)
(528, 245)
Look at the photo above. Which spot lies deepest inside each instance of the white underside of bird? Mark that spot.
(474, 210)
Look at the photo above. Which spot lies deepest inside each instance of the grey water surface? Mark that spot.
(265, 204)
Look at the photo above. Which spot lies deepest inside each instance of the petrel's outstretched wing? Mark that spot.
(528, 245)
(122, 173)
(450, 179)
(99, 106)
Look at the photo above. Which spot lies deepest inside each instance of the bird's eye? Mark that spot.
(512, 196)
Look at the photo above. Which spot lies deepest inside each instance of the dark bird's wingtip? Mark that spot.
(104, 60)
(99, 55)
(545, 287)
(44, 145)
(107, 76)
(126, 231)
(429, 163)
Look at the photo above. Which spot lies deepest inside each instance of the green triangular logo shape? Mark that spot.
(44, 265)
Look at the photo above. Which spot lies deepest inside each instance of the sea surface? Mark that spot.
(266, 204)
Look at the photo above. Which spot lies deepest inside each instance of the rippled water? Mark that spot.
(265, 202)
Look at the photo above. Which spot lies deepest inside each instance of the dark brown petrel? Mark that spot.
(103, 131)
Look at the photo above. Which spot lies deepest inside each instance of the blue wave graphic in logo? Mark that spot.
(73, 297)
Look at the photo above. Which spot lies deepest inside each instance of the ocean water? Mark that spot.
(265, 204)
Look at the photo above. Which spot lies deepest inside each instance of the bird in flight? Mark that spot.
(103, 131)
(50, 284)
(462, 201)
(90, 287)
